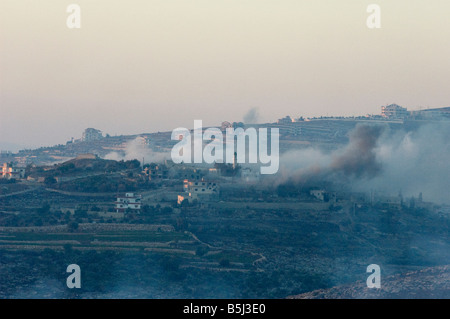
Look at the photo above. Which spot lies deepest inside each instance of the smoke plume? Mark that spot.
(379, 158)
(137, 149)
(359, 159)
(252, 116)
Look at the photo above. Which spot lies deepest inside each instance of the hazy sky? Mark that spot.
(143, 66)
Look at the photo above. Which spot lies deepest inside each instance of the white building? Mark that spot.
(442, 113)
(129, 201)
(91, 134)
(394, 111)
(318, 194)
(9, 171)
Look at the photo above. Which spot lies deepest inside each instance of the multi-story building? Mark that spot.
(91, 134)
(129, 201)
(198, 190)
(10, 171)
(285, 120)
(156, 172)
(442, 113)
(394, 111)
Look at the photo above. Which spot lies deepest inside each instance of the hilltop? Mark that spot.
(326, 133)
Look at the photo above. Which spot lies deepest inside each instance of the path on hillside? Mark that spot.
(21, 192)
(254, 263)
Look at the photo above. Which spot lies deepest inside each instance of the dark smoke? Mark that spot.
(252, 116)
(412, 160)
(358, 158)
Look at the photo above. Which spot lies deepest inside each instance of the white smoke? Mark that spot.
(411, 162)
(137, 149)
(414, 162)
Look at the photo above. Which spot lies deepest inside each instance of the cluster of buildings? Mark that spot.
(90, 134)
(442, 113)
(396, 112)
(200, 184)
(388, 112)
(381, 200)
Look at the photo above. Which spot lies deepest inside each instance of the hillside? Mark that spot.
(428, 283)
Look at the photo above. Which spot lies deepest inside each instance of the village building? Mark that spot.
(199, 190)
(129, 201)
(10, 171)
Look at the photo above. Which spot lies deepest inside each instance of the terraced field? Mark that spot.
(132, 238)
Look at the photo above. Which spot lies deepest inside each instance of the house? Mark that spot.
(128, 201)
(156, 172)
(10, 171)
(318, 194)
(199, 190)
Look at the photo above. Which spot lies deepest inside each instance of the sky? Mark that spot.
(155, 65)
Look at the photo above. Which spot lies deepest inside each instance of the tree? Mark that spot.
(171, 264)
(49, 180)
(80, 213)
(224, 262)
(44, 209)
(72, 226)
(185, 203)
(167, 210)
(68, 248)
(180, 224)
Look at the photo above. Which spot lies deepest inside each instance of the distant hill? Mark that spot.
(428, 283)
(82, 166)
(326, 133)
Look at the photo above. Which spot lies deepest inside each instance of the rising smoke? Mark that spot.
(379, 158)
(358, 159)
(137, 149)
(252, 116)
